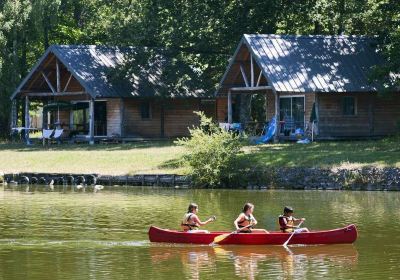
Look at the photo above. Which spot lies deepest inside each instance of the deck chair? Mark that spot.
(46, 135)
(288, 126)
(57, 134)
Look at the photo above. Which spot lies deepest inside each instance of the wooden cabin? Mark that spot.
(325, 79)
(85, 91)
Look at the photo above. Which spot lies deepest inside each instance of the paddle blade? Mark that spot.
(221, 237)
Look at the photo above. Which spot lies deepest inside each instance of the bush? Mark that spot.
(212, 153)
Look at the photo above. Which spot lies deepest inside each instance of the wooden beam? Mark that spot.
(91, 121)
(48, 82)
(317, 112)
(229, 107)
(251, 88)
(122, 117)
(58, 76)
(27, 121)
(43, 94)
(251, 71)
(276, 137)
(244, 75)
(44, 66)
(259, 78)
(67, 84)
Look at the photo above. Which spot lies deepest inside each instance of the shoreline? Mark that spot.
(296, 178)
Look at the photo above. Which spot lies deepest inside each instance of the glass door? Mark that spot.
(291, 113)
(100, 118)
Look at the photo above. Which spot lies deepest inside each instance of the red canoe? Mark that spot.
(347, 234)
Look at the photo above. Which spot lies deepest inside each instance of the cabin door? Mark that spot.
(292, 114)
(80, 118)
(100, 118)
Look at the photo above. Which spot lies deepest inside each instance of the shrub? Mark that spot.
(212, 153)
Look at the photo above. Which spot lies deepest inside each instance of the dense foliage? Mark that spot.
(202, 33)
(212, 153)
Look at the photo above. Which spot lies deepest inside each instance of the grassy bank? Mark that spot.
(113, 159)
(162, 157)
(380, 153)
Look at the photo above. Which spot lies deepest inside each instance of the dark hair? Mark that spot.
(247, 206)
(288, 209)
(192, 206)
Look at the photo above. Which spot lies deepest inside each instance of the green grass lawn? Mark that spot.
(111, 159)
(163, 157)
(379, 153)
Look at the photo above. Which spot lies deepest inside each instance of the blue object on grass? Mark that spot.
(269, 132)
(299, 131)
(304, 141)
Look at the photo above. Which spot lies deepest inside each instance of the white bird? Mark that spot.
(98, 188)
(80, 186)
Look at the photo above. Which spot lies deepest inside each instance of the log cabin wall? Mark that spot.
(375, 116)
(222, 109)
(386, 115)
(113, 116)
(332, 121)
(179, 116)
(135, 126)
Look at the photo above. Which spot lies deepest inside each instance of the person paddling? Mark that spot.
(190, 221)
(245, 222)
(288, 223)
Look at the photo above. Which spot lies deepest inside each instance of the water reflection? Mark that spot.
(251, 262)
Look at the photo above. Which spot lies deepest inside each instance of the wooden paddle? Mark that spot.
(290, 237)
(221, 237)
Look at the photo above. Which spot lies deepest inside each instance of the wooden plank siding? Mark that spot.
(387, 115)
(178, 116)
(135, 126)
(113, 117)
(375, 116)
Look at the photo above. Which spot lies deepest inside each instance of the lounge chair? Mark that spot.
(288, 126)
(46, 135)
(268, 132)
(57, 134)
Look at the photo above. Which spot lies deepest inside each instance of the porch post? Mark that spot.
(91, 121)
(122, 115)
(27, 121)
(58, 76)
(317, 112)
(276, 137)
(229, 106)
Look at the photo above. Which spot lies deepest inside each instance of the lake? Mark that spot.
(64, 234)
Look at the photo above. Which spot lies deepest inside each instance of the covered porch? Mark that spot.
(245, 87)
(53, 98)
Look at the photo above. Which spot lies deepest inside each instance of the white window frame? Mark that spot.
(291, 105)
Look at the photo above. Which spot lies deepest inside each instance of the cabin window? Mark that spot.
(145, 110)
(349, 106)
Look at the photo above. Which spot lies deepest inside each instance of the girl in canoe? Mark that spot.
(191, 222)
(245, 222)
(288, 223)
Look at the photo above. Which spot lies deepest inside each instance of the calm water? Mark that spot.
(75, 235)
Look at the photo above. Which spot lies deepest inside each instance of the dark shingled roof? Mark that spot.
(100, 70)
(314, 63)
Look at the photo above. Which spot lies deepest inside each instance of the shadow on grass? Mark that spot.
(20, 147)
(171, 164)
